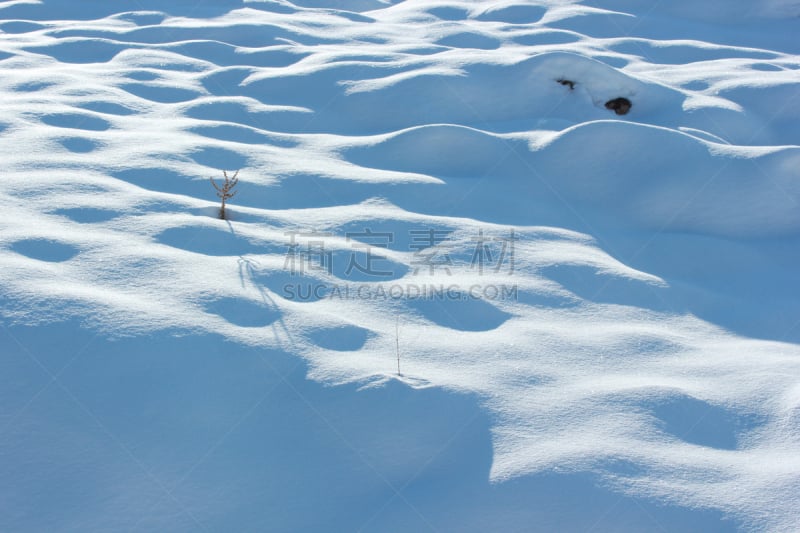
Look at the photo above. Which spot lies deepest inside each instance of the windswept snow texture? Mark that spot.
(455, 292)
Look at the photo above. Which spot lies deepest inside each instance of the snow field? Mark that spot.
(641, 372)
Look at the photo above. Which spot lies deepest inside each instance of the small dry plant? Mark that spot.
(225, 191)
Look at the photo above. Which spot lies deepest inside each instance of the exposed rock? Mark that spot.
(568, 83)
(620, 106)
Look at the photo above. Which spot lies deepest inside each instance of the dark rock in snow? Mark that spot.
(568, 83)
(620, 106)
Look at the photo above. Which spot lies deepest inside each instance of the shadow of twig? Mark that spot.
(248, 269)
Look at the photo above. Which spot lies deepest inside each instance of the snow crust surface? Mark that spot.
(597, 317)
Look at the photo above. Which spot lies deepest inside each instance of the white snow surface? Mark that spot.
(608, 338)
